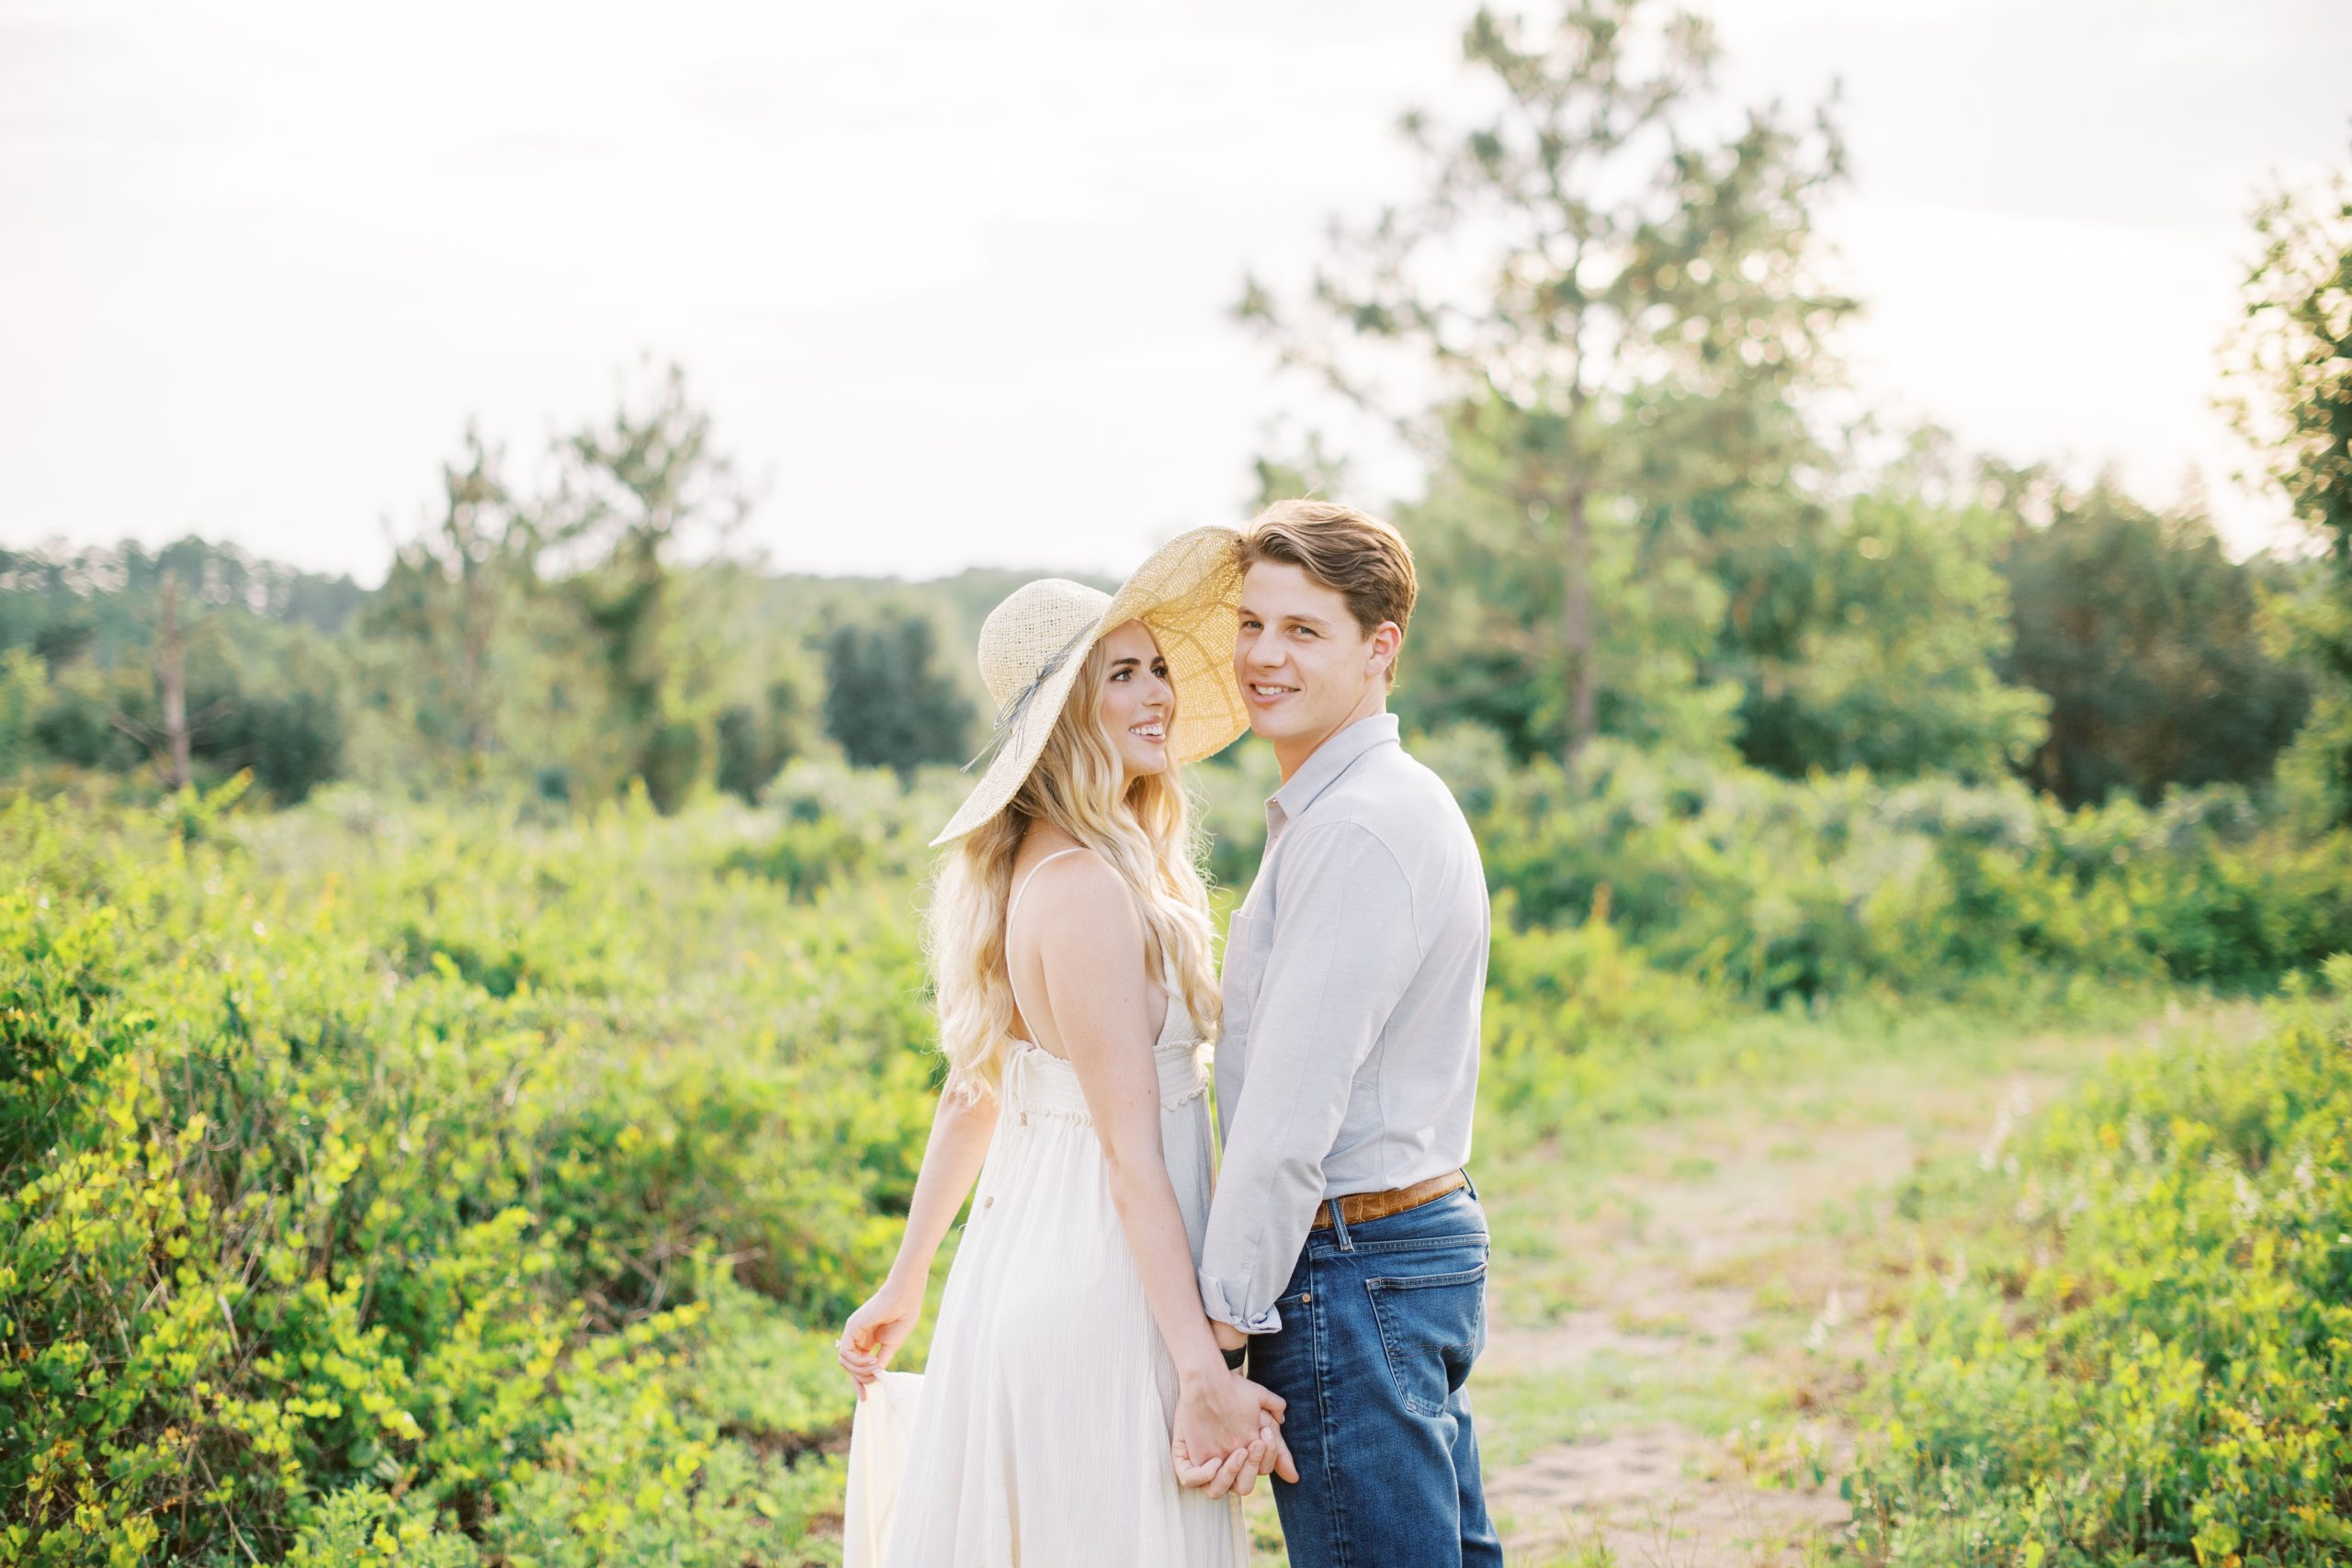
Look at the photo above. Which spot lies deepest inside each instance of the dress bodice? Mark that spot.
(1039, 1082)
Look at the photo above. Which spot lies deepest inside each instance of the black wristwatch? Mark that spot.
(1234, 1357)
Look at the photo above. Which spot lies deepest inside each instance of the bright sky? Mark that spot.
(953, 276)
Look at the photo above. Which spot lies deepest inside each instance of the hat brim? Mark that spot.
(1189, 595)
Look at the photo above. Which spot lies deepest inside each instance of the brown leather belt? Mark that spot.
(1358, 1207)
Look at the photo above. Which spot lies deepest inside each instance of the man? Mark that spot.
(1346, 1248)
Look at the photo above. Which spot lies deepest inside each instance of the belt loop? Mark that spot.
(1340, 1226)
(1471, 1185)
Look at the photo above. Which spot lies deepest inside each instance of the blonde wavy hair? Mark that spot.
(1146, 831)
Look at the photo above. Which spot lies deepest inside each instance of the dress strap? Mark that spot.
(1014, 903)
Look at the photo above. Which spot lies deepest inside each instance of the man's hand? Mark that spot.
(1235, 1469)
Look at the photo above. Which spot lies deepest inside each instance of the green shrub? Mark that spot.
(476, 1183)
(2149, 1359)
(1798, 890)
(807, 856)
(360, 1177)
(1566, 1011)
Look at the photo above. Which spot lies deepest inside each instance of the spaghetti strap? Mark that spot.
(1010, 905)
(1014, 902)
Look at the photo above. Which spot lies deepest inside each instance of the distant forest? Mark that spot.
(2085, 641)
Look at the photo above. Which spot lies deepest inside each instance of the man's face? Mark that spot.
(1305, 667)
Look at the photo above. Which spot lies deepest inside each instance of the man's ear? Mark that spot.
(1388, 640)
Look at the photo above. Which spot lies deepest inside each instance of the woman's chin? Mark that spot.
(1144, 764)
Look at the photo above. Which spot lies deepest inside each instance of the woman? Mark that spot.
(1075, 1387)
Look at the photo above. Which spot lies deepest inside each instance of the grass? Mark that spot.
(1705, 1250)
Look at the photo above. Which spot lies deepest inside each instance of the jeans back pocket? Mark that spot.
(1431, 1328)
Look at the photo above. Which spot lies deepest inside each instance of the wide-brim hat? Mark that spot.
(1031, 645)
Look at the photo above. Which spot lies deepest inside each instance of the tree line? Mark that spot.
(564, 641)
(1602, 319)
(1605, 323)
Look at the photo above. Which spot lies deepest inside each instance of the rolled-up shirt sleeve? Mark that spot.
(1344, 949)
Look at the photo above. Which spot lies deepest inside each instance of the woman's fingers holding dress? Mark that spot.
(875, 1332)
(860, 1368)
(862, 1352)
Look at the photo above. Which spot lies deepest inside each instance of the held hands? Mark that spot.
(876, 1331)
(1228, 1433)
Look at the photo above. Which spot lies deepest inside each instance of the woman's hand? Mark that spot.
(1255, 1447)
(876, 1331)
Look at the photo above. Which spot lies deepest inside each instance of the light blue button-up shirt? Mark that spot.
(1353, 972)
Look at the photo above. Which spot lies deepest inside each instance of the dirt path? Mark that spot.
(1679, 1323)
(1708, 1307)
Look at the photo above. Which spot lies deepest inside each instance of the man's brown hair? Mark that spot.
(1360, 558)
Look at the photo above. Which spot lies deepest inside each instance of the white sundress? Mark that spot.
(1038, 1436)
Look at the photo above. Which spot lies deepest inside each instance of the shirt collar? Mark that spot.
(1328, 760)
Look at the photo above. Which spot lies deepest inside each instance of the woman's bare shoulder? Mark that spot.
(1082, 900)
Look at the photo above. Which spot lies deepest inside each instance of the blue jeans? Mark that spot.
(1381, 1322)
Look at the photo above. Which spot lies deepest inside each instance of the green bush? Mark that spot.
(807, 856)
(2149, 1357)
(293, 741)
(1567, 1011)
(1800, 890)
(361, 1178)
(455, 1184)
(24, 693)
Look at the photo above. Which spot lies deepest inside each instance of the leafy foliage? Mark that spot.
(2148, 640)
(2149, 1359)
(1772, 890)
(1895, 663)
(341, 1151)
(886, 702)
(2291, 368)
(432, 1183)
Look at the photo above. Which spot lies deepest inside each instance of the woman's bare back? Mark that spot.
(1024, 943)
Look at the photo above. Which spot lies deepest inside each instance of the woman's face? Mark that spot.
(1138, 704)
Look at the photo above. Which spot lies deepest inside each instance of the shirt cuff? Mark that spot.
(1223, 1303)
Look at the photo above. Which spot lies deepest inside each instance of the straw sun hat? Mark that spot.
(1032, 645)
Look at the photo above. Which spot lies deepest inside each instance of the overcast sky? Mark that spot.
(952, 275)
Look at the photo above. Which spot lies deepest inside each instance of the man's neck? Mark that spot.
(1291, 755)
